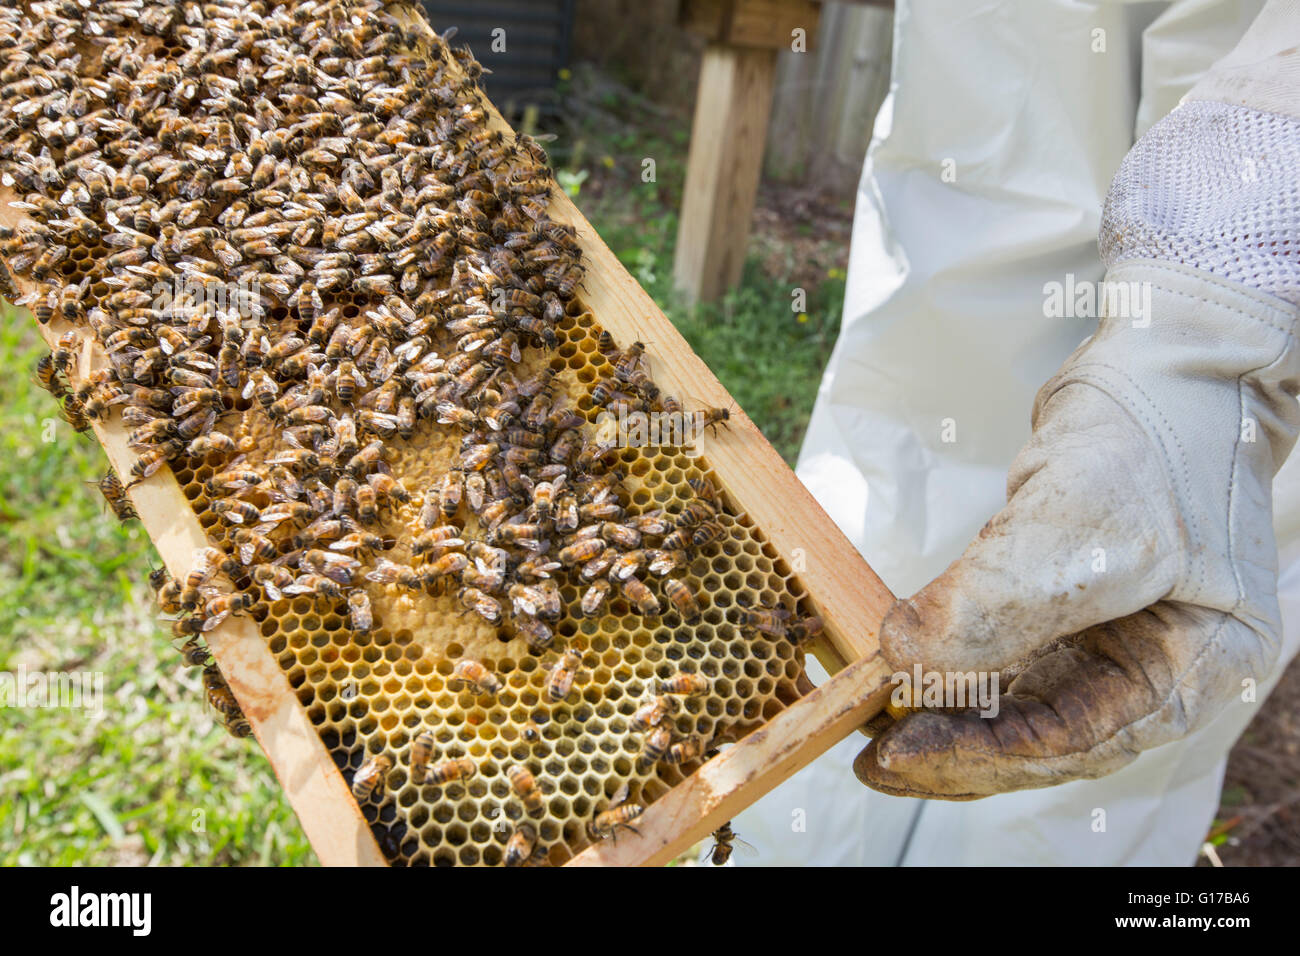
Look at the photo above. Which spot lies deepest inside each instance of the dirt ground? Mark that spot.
(1259, 812)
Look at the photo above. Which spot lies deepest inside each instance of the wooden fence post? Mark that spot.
(734, 100)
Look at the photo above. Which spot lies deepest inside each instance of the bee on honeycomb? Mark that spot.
(331, 303)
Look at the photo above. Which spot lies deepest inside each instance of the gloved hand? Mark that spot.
(1131, 579)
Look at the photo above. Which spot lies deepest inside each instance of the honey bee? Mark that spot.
(581, 551)
(694, 513)
(703, 490)
(526, 788)
(370, 777)
(641, 598)
(359, 611)
(563, 673)
(206, 563)
(685, 685)
(389, 488)
(218, 608)
(532, 731)
(593, 599)
(169, 596)
(655, 745)
(47, 376)
(450, 492)
(773, 622)
(475, 676)
(389, 572)
(654, 712)
(652, 522)
(367, 504)
(626, 565)
(477, 457)
(73, 412)
(697, 537)
(213, 443)
(449, 771)
(712, 418)
(236, 510)
(539, 600)
(544, 497)
(683, 599)
(273, 579)
(619, 815)
(805, 629)
(486, 606)
(360, 464)
(64, 353)
(599, 565)
(253, 545)
(724, 841)
(421, 754)
(535, 632)
(315, 584)
(522, 845)
(114, 492)
(684, 751)
(220, 697)
(195, 653)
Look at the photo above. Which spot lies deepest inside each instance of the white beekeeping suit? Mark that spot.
(984, 185)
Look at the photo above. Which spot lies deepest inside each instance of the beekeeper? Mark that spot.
(1112, 539)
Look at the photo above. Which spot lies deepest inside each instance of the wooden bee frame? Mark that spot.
(842, 588)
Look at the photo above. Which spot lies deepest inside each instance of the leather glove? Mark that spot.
(1130, 582)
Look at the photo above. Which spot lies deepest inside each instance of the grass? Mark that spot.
(156, 779)
(767, 354)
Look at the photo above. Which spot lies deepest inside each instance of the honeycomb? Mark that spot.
(377, 661)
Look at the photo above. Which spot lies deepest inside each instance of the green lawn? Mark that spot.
(155, 779)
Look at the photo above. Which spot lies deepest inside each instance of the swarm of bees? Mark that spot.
(308, 218)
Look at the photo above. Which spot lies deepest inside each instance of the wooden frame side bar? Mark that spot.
(312, 782)
(741, 774)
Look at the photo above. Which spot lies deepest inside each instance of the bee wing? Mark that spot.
(211, 622)
(385, 572)
(303, 584)
(620, 795)
(529, 603)
(746, 849)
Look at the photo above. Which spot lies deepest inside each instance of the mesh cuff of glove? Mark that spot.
(1213, 187)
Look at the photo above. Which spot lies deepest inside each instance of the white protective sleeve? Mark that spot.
(983, 187)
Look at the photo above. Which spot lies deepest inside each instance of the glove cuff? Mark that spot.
(1209, 371)
(1212, 186)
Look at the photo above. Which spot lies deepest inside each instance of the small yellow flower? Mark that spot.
(802, 317)
(607, 161)
(566, 73)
